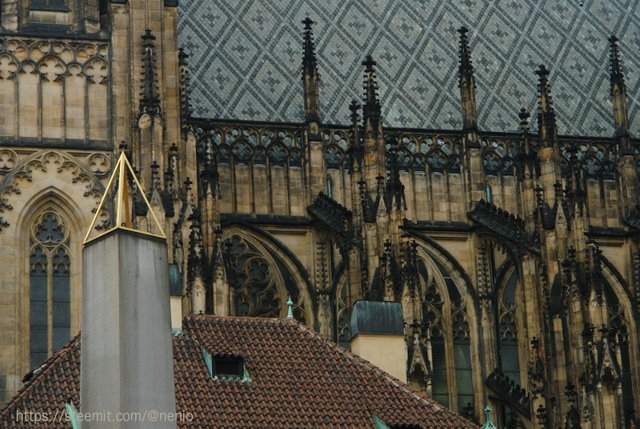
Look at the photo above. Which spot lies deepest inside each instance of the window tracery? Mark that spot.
(49, 286)
(508, 331)
(448, 334)
(607, 316)
(252, 281)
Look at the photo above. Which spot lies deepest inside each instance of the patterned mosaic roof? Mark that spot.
(246, 58)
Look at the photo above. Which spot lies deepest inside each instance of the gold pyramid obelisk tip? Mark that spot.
(122, 174)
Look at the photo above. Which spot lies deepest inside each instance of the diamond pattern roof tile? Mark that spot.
(415, 44)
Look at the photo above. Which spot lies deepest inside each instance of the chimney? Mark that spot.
(377, 335)
(127, 351)
(175, 300)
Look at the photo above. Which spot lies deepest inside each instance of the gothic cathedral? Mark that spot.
(515, 255)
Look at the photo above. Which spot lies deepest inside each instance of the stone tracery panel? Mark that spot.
(253, 283)
(53, 90)
(261, 164)
(260, 285)
(17, 167)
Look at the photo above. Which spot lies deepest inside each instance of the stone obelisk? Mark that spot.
(126, 344)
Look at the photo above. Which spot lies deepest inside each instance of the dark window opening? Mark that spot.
(52, 5)
(104, 7)
(49, 288)
(228, 367)
(440, 389)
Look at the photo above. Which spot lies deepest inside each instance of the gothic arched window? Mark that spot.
(508, 351)
(253, 284)
(608, 313)
(508, 334)
(449, 339)
(49, 287)
(432, 314)
(462, 354)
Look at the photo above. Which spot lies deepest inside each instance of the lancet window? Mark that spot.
(49, 287)
(448, 336)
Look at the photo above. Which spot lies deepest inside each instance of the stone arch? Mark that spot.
(341, 306)
(59, 171)
(96, 70)
(30, 181)
(51, 67)
(440, 262)
(285, 264)
(49, 199)
(620, 288)
(446, 260)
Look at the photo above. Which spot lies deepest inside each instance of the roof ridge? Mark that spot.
(217, 317)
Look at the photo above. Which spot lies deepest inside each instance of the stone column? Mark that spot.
(127, 349)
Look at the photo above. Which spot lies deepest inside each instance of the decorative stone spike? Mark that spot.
(619, 95)
(310, 78)
(546, 114)
(150, 98)
(467, 86)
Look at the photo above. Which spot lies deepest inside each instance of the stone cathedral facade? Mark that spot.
(515, 256)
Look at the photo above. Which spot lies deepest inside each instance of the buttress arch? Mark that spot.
(288, 272)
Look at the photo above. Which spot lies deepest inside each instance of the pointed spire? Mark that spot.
(467, 86)
(546, 115)
(488, 422)
(310, 76)
(185, 100)
(394, 198)
(524, 120)
(465, 54)
(309, 61)
(617, 74)
(149, 97)
(371, 107)
(355, 149)
(289, 308)
(619, 94)
(155, 177)
(196, 248)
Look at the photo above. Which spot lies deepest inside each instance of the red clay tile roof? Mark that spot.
(298, 380)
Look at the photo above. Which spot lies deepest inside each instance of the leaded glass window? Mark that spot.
(49, 287)
(508, 341)
(509, 332)
(619, 334)
(432, 313)
(440, 390)
(462, 358)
